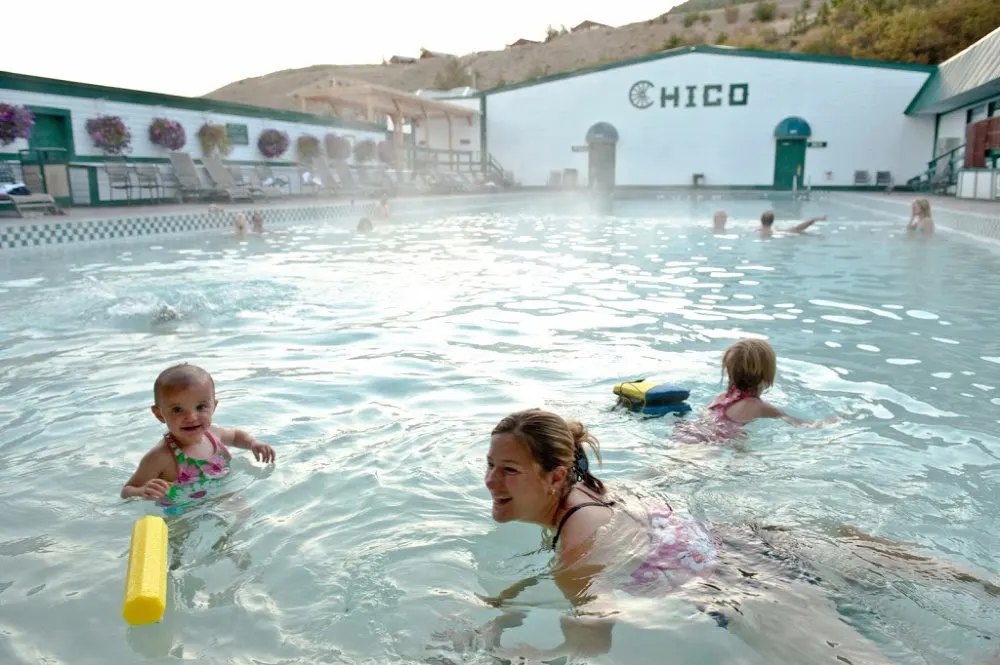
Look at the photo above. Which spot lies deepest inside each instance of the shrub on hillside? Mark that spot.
(689, 19)
(732, 14)
(765, 11)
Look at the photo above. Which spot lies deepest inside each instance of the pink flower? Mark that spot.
(186, 473)
(197, 495)
(215, 467)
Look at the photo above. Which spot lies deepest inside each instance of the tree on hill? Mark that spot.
(452, 75)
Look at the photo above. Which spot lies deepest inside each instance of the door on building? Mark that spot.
(50, 150)
(602, 144)
(789, 162)
(790, 138)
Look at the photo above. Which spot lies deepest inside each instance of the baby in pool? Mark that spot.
(193, 453)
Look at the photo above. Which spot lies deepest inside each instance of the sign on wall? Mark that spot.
(815, 144)
(644, 95)
(238, 134)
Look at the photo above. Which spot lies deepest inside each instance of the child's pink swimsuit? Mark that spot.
(194, 476)
(719, 426)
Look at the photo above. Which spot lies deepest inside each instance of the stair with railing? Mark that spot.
(941, 175)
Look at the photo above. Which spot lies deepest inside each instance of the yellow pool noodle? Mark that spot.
(146, 579)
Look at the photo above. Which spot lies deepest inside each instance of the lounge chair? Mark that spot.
(224, 182)
(187, 177)
(22, 203)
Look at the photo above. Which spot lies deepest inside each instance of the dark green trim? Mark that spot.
(716, 50)
(961, 100)
(25, 83)
(65, 113)
(95, 189)
(911, 108)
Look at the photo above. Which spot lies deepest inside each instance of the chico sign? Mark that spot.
(643, 95)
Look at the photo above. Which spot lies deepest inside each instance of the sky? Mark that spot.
(191, 47)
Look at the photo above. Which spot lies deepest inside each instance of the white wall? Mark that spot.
(952, 124)
(433, 133)
(858, 110)
(138, 118)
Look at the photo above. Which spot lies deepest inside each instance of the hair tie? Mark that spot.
(581, 464)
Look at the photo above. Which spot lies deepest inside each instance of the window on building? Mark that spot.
(992, 109)
(464, 142)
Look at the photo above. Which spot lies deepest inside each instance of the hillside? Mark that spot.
(925, 31)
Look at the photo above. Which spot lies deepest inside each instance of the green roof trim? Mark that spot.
(26, 83)
(718, 50)
(964, 79)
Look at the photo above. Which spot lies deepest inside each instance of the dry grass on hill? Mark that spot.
(492, 68)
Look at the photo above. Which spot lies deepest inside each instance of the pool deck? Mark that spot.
(974, 218)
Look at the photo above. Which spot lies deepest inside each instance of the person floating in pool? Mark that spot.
(240, 223)
(609, 546)
(365, 225)
(193, 455)
(767, 230)
(751, 365)
(920, 219)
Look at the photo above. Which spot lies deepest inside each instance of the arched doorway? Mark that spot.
(790, 137)
(602, 140)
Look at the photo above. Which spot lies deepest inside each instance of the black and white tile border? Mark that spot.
(23, 234)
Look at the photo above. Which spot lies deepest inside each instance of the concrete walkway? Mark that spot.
(967, 216)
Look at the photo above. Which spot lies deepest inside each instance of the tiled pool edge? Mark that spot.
(981, 222)
(52, 231)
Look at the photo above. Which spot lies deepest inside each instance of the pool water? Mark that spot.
(377, 365)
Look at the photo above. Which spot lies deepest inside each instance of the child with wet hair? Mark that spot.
(751, 365)
(192, 456)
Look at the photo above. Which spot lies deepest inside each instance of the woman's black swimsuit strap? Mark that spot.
(569, 513)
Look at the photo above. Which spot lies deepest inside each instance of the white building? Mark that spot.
(62, 109)
(730, 117)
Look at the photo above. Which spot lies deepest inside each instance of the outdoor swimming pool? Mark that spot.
(377, 365)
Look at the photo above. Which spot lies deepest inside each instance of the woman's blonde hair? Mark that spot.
(751, 365)
(555, 442)
(924, 206)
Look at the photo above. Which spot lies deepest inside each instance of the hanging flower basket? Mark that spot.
(273, 143)
(167, 134)
(214, 138)
(110, 134)
(337, 147)
(364, 151)
(15, 123)
(308, 147)
(386, 152)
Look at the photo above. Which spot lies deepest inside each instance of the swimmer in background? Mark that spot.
(365, 225)
(751, 365)
(382, 208)
(240, 223)
(257, 222)
(719, 221)
(767, 230)
(193, 453)
(920, 219)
